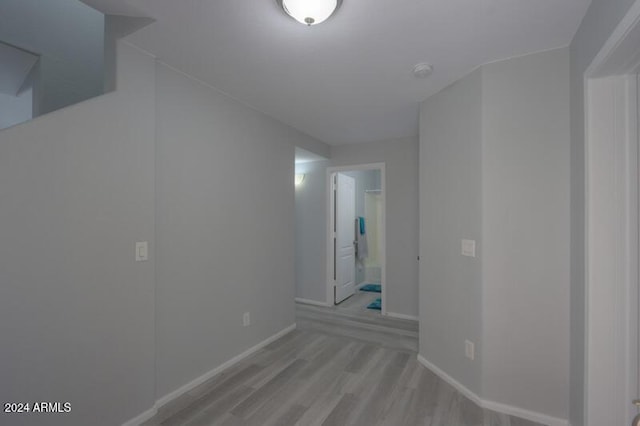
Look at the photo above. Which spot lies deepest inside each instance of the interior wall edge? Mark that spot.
(492, 405)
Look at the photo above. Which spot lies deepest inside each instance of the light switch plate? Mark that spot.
(469, 248)
(469, 350)
(142, 251)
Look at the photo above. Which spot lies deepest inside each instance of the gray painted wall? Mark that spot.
(69, 36)
(401, 159)
(213, 195)
(225, 228)
(525, 249)
(601, 19)
(451, 210)
(15, 109)
(494, 158)
(311, 229)
(76, 310)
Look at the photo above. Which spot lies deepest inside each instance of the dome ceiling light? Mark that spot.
(310, 12)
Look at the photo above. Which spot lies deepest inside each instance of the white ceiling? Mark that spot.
(349, 79)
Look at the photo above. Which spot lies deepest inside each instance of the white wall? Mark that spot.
(76, 310)
(225, 228)
(311, 229)
(401, 159)
(366, 180)
(451, 210)
(601, 19)
(525, 249)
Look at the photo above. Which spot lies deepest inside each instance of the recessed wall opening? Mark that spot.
(340, 235)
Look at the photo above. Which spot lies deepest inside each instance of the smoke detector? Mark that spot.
(423, 70)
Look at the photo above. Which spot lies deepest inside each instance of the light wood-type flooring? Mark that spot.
(339, 367)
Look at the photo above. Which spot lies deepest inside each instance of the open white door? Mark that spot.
(344, 253)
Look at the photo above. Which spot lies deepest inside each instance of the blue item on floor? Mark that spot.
(374, 288)
(376, 304)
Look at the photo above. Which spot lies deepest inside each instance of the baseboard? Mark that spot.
(491, 405)
(311, 302)
(525, 414)
(453, 382)
(206, 376)
(402, 316)
(141, 418)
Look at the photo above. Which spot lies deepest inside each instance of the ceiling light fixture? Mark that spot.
(423, 70)
(299, 179)
(310, 12)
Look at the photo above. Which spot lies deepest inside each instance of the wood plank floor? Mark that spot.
(339, 367)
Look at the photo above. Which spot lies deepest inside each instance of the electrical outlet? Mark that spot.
(469, 248)
(246, 319)
(469, 350)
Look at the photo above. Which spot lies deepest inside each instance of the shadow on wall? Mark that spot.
(55, 54)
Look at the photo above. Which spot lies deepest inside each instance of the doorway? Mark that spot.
(612, 224)
(356, 254)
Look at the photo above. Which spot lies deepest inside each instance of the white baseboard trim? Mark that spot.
(453, 382)
(206, 376)
(142, 417)
(525, 414)
(402, 316)
(311, 302)
(490, 405)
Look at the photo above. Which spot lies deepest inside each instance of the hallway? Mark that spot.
(337, 368)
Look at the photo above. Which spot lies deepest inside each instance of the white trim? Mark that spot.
(524, 414)
(611, 243)
(626, 25)
(206, 376)
(383, 236)
(402, 316)
(311, 302)
(200, 380)
(490, 405)
(453, 382)
(611, 214)
(141, 418)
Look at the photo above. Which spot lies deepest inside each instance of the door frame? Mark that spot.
(611, 227)
(330, 227)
